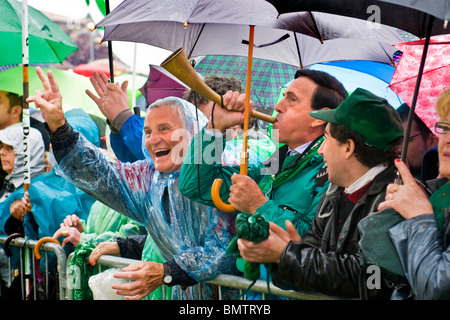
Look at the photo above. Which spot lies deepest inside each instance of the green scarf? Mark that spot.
(294, 164)
(291, 166)
(80, 272)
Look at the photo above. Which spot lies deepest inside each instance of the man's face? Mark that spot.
(417, 145)
(160, 128)
(293, 119)
(333, 153)
(7, 157)
(444, 150)
(5, 112)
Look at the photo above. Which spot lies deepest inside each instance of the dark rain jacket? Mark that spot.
(327, 261)
(424, 250)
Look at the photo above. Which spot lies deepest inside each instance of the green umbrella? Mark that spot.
(47, 42)
(71, 85)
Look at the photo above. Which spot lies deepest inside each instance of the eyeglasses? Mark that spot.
(441, 127)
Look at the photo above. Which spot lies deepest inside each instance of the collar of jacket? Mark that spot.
(378, 186)
(280, 155)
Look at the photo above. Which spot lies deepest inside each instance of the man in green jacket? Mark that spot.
(297, 166)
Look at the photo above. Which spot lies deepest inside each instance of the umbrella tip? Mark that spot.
(91, 25)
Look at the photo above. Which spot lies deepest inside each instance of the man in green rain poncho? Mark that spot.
(287, 186)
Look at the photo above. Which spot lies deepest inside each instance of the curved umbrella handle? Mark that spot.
(8, 241)
(40, 243)
(215, 195)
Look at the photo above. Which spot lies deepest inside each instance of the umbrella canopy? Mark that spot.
(71, 85)
(435, 76)
(161, 84)
(47, 42)
(437, 8)
(158, 24)
(382, 12)
(88, 70)
(268, 75)
(369, 75)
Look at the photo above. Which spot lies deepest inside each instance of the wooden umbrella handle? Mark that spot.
(8, 241)
(215, 195)
(40, 243)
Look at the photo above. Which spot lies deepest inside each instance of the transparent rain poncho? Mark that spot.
(197, 235)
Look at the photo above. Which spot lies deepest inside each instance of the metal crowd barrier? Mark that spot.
(65, 292)
(230, 281)
(27, 256)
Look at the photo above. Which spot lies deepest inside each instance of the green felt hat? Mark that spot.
(367, 114)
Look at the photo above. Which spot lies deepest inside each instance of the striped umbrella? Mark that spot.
(267, 76)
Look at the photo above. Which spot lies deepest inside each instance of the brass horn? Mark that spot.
(178, 65)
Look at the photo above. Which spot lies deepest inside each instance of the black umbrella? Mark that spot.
(408, 15)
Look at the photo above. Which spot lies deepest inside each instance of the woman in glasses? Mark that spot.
(422, 240)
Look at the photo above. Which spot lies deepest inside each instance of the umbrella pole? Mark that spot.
(110, 52)
(26, 125)
(215, 189)
(25, 108)
(416, 91)
(244, 154)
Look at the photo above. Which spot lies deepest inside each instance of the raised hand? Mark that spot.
(49, 101)
(112, 98)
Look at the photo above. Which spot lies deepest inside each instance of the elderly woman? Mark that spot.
(191, 237)
(422, 239)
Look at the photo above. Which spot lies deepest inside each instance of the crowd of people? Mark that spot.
(334, 160)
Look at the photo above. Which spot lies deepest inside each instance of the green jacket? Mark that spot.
(294, 189)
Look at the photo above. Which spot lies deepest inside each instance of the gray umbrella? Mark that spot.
(221, 28)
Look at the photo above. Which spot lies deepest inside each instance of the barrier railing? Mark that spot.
(230, 281)
(29, 278)
(64, 274)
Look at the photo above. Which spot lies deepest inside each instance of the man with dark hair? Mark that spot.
(362, 139)
(219, 85)
(11, 113)
(268, 187)
(421, 140)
